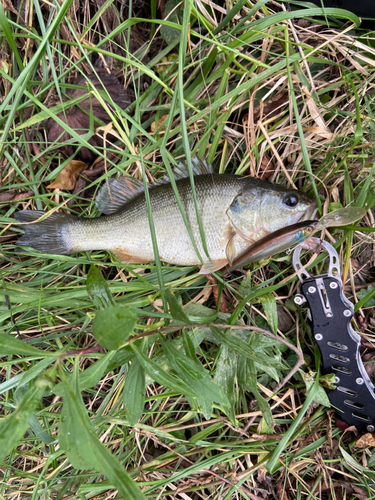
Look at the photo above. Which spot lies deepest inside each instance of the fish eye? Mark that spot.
(290, 200)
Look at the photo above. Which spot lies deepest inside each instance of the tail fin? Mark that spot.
(49, 235)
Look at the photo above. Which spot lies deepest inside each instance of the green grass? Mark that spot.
(134, 367)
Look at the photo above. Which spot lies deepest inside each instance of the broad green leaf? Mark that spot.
(197, 335)
(89, 377)
(188, 345)
(32, 373)
(246, 286)
(175, 308)
(121, 357)
(113, 325)
(76, 434)
(39, 431)
(14, 426)
(94, 373)
(11, 345)
(351, 461)
(270, 310)
(33, 422)
(134, 392)
(335, 205)
(251, 382)
(169, 34)
(367, 296)
(156, 372)
(98, 289)
(77, 437)
(205, 405)
(270, 370)
(320, 396)
(196, 376)
(241, 371)
(371, 462)
(205, 382)
(197, 313)
(225, 377)
(241, 347)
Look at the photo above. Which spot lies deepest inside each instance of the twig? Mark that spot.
(359, 287)
(79, 352)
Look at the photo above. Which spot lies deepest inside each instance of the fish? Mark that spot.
(235, 212)
(279, 241)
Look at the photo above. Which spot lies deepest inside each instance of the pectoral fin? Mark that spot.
(230, 250)
(213, 265)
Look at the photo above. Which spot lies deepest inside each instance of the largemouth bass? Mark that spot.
(235, 212)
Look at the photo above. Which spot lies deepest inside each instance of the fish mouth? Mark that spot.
(310, 213)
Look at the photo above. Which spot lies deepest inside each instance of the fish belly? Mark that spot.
(173, 240)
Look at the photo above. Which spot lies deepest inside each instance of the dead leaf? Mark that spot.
(7, 5)
(68, 176)
(267, 167)
(155, 127)
(14, 196)
(78, 117)
(267, 109)
(285, 322)
(319, 131)
(366, 441)
(321, 127)
(369, 357)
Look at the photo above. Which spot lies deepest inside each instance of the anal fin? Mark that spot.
(127, 258)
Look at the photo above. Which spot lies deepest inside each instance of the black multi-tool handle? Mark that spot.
(331, 312)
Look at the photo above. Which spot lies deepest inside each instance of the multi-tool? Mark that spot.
(339, 345)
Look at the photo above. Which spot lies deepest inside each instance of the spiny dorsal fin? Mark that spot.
(116, 192)
(200, 167)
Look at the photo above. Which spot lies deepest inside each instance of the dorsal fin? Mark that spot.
(200, 167)
(116, 192)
